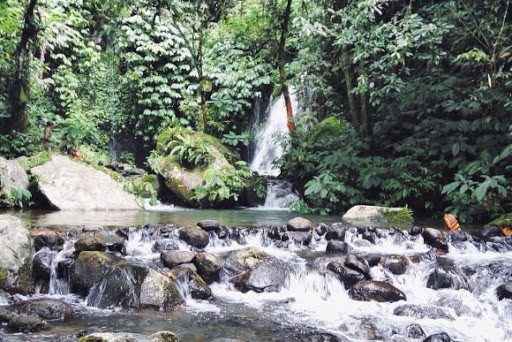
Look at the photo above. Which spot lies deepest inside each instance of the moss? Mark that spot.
(255, 253)
(38, 159)
(94, 255)
(402, 217)
(503, 221)
(328, 128)
(3, 278)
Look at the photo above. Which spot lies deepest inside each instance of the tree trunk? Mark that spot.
(19, 88)
(281, 60)
(349, 84)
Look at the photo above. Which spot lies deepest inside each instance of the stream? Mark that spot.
(312, 304)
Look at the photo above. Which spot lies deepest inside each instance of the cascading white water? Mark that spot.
(280, 194)
(58, 285)
(267, 148)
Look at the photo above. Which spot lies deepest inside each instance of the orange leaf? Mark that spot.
(506, 231)
(450, 222)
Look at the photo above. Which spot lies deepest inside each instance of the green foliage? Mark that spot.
(20, 197)
(142, 187)
(399, 218)
(16, 144)
(189, 150)
(223, 184)
(38, 159)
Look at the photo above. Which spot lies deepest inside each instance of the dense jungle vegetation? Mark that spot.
(403, 102)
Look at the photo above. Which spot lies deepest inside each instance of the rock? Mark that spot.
(504, 291)
(194, 236)
(88, 269)
(373, 259)
(208, 266)
(12, 177)
(47, 238)
(415, 331)
(457, 236)
(164, 245)
(491, 231)
(42, 266)
(432, 236)
(415, 230)
(301, 238)
(380, 291)
(5, 315)
(346, 275)
(268, 275)
(367, 212)
(45, 308)
(172, 259)
(439, 337)
(161, 336)
(422, 311)
(336, 246)
(358, 264)
(100, 242)
(13, 233)
(336, 231)
(453, 278)
(131, 285)
(240, 260)
(397, 264)
(299, 224)
(25, 324)
(182, 180)
(208, 225)
(321, 229)
(196, 285)
(72, 185)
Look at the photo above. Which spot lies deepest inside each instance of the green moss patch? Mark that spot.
(400, 218)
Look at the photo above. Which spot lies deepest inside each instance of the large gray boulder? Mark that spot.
(73, 185)
(12, 176)
(390, 215)
(16, 249)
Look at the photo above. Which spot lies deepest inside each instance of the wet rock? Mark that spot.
(161, 336)
(373, 259)
(164, 245)
(268, 275)
(300, 238)
(45, 308)
(361, 243)
(501, 244)
(15, 235)
(458, 236)
(172, 259)
(415, 331)
(25, 324)
(321, 337)
(439, 337)
(42, 266)
(208, 225)
(453, 278)
(240, 260)
(100, 243)
(194, 236)
(433, 236)
(422, 311)
(504, 291)
(131, 285)
(321, 229)
(276, 233)
(336, 246)
(299, 224)
(47, 238)
(88, 269)
(346, 275)
(208, 266)
(380, 291)
(358, 264)
(397, 265)
(336, 232)
(12, 176)
(5, 315)
(491, 231)
(196, 285)
(369, 236)
(415, 231)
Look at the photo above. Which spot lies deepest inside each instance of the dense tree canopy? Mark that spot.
(403, 103)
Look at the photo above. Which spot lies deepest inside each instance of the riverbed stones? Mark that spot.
(299, 224)
(336, 246)
(42, 266)
(346, 275)
(72, 185)
(396, 264)
(422, 311)
(208, 266)
(48, 309)
(100, 242)
(172, 259)
(88, 269)
(336, 231)
(164, 245)
(504, 291)
(194, 236)
(50, 239)
(158, 291)
(15, 235)
(439, 337)
(161, 336)
(376, 290)
(446, 278)
(25, 324)
(208, 225)
(415, 331)
(358, 264)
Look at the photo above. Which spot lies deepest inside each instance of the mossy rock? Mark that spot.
(3, 278)
(402, 217)
(502, 221)
(180, 179)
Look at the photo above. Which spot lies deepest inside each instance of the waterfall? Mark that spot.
(58, 284)
(266, 145)
(280, 194)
